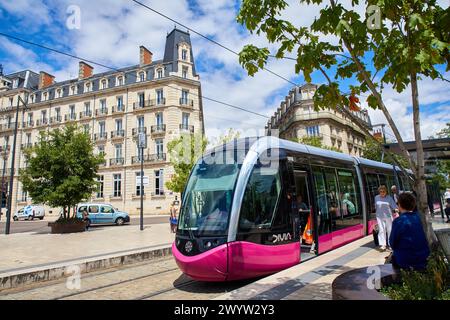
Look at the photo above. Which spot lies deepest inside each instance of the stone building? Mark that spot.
(161, 98)
(296, 118)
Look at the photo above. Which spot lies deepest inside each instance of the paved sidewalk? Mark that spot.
(21, 251)
(312, 279)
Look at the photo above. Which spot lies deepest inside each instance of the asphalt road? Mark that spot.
(41, 226)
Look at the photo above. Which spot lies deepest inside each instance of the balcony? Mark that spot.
(118, 134)
(28, 124)
(158, 194)
(70, 117)
(103, 164)
(149, 158)
(158, 129)
(117, 109)
(85, 114)
(138, 195)
(102, 136)
(186, 128)
(56, 119)
(9, 126)
(101, 112)
(5, 148)
(116, 161)
(160, 102)
(186, 102)
(41, 122)
(136, 131)
(143, 104)
(26, 145)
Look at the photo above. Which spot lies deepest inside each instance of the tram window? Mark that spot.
(324, 219)
(405, 182)
(372, 184)
(334, 210)
(383, 180)
(389, 183)
(349, 196)
(260, 200)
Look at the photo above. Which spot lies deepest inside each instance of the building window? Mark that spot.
(32, 98)
(120, 81)
(185, 120)
(159, 119)
(184, 54)
(43, 115)
(15, 83)
(72, 111)
(142, 76)
(120, 103)
(101, 127)
(184, 72)
(45, 96)
(104, 86)
(58, 114)
(100, 180)
(28, 138)
(118, 125)
(11, 100)
(101, 150)
(86, 128)
(118, 151)
(159, 186)
(312, 131)
(138, 184)
(73, 90)
(87, 109)
(88, 87)
(141, 99)
(117, 185)
(140, 122)
(159, 73)
(159, 147)
(184, 97)
(58, 93)
(103, 105)
(159, 97)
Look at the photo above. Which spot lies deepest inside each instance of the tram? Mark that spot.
(256, 206)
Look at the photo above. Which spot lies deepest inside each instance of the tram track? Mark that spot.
(160, 292)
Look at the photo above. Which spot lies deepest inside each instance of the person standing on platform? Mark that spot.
(385, 207)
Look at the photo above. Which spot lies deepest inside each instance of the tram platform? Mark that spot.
(312, 279)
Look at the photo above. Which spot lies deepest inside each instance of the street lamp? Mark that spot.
(4, 155)
(382, 125)
(13, 158)
(142, 143)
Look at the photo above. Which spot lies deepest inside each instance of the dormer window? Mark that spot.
(184, 72)
(59, 93)
(104, 84)
(159, 73)
(45, 96)
(184, 54)
(32, 98)
(88, 87)
(142, 76)
(15, 83)
(73, 90)
(119, 81)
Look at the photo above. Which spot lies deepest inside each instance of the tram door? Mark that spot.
(304, 220)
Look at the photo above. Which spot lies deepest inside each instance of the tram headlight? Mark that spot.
(188, 246)
(208, 244)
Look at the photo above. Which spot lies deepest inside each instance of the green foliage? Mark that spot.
(183, 153)
(373, 151)
(62, 168)
(315, 142)
(442, 175)
(412, 38)
(433, 283)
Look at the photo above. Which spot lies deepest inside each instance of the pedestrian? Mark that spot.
(385, 207)
(173, 217)
(86, 218)
(447, 194)
(407, 239)
(447, 209)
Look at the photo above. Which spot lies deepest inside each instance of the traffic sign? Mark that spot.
(145, 181)
(142, 140)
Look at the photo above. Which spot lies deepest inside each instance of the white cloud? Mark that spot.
(111, 32)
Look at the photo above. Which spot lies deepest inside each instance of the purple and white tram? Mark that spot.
(256, 206)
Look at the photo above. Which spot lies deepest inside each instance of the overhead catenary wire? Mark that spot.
(118, 70)
(209, 39)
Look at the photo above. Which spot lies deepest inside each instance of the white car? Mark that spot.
(29, 213)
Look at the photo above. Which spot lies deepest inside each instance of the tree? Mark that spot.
(315, 142)
(62, 168)
(184, 153)
(374, 151)
(410, 42)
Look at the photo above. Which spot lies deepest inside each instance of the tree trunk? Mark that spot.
(420, 183)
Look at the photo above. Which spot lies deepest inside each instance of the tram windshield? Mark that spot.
(208, 196)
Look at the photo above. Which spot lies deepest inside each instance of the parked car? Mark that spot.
(101, 213)
(29, 213)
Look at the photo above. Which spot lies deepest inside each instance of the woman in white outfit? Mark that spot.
(385, 206)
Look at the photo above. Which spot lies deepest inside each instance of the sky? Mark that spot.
(111, 31)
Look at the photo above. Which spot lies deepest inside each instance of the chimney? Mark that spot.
(85, 70)
(145, 56)
(45, 79)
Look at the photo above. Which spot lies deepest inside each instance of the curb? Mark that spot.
(15, 279)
